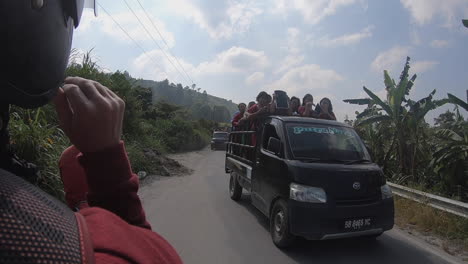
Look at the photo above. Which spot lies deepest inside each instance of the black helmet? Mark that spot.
(36, 43)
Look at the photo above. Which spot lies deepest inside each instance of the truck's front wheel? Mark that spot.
(235, 190)
(279, 225)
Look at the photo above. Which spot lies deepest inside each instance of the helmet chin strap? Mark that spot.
(8, 160)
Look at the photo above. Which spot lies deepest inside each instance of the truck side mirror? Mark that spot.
(274, 145)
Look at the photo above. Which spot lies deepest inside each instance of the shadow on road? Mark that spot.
(385, 249)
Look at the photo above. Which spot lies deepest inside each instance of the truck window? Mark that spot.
(269, 130)
(325, 142)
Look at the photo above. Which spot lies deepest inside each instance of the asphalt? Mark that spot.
(195, 214)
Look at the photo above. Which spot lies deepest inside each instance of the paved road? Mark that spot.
(195, 214)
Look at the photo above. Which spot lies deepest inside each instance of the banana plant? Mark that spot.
(403, 115)
(392, 109)
(450, 160)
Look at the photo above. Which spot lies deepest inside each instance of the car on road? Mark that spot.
(219, 140)
(312, 178)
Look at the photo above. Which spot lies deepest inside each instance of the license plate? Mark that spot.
(357, 224)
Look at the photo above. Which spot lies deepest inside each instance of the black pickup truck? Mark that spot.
(312, 178)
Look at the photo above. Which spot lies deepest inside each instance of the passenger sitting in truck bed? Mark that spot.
(261, 108)
(325, 110)
(294, 105)
(252, 103)
(306, 109)
(236, 121)
(281, 104)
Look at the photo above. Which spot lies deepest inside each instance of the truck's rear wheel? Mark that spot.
(235, 190)
(279, 225)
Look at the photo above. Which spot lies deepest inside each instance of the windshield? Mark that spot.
(220, 135)
(325, 142)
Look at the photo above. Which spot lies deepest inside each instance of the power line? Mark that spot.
(149, 33)
(130, 37)
(160, 35)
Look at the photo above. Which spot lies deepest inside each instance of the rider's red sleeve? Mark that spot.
(112, 185)
(73, 177)
(115, 241)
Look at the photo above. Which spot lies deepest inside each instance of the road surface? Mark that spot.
(195, 214)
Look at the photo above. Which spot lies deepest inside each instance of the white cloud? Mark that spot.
(255, 78)
(293, 37)
(306, 79)
(390, 59)
(422, 66)
(289, 62)
(127, 20)
(220, 19)
(295, 41)
(235, 59)
(414, 37)
(439, 43)
(156, 66)
(313, 11)
(423, 11)
(393, 60)
(347, 39)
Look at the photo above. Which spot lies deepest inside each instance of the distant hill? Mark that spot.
(200, 104)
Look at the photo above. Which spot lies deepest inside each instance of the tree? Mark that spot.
(444, 119)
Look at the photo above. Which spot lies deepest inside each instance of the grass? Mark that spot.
(425, 219)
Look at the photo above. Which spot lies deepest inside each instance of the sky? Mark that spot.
(234, 49)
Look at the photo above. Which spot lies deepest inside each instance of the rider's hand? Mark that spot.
(90, 114)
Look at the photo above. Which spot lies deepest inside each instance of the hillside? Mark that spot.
(199, 103)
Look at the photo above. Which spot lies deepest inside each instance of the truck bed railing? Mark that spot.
(239, 158)
(240, 146)
(242, 132)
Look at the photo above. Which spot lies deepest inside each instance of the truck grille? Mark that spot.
(359, 201)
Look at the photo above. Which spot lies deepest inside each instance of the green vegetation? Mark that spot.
(410, 151)
(149, 128)
(426, 219)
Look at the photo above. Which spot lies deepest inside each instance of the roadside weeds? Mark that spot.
(447, 231)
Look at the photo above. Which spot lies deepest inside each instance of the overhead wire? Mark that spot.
(151, 36)
(164, 40)
(130, 37)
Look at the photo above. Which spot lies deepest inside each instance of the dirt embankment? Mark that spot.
(163, 166)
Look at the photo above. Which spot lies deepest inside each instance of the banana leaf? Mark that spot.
(389, 82)
(455, 100)
(362, 101)
(373, 119)
(378, 101)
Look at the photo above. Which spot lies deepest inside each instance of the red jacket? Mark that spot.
(237, 117)
(115, 217)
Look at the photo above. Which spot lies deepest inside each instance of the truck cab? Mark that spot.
(312, 178)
